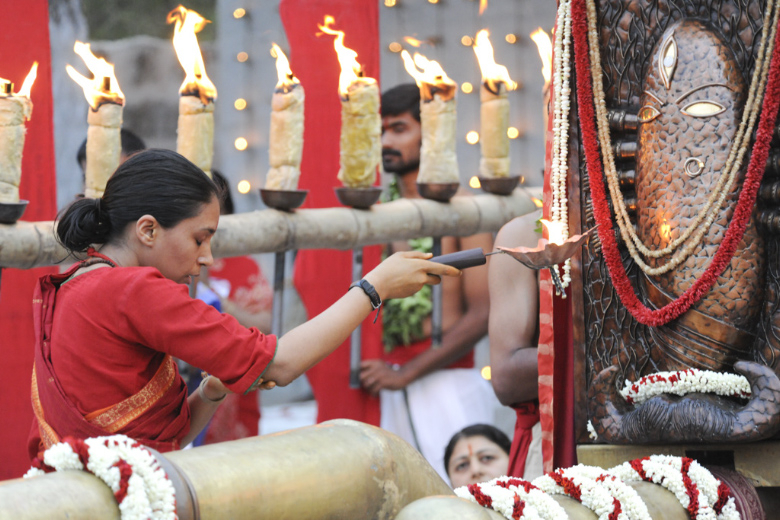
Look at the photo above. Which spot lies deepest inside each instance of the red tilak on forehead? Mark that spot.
(471, 450)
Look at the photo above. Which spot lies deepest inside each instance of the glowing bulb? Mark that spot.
(511, 38)
(240, 104)
(239, 13)
(243, 187)
(467, 41)
(512, 132)
(395, 47)
(389, 3)
(474, 182)
(242, 56)
(472, 137)
(467, 87)
(241, 144)
(485, 373)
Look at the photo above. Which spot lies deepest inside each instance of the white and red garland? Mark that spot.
(685, 382)
(141, 487)
(514, 498)
(704, 496)
(606, 493)
(559, 167)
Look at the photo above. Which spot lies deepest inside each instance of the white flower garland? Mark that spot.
(149, 493)
(667, 471)
(608, 497)
(559, 168)
(685, 382)
(503, 491)
(592, 432)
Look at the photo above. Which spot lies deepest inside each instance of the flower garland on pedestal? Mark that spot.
(514, 498)
(581, 9)
(140, 485)
(685, 382)
(704, 496)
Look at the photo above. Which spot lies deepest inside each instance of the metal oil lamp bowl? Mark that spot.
(285, 200)
(10, 212)
(499, 185)
(441, 192)
(358, 198)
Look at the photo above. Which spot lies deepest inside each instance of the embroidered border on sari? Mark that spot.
(116, 417)
(48, 436)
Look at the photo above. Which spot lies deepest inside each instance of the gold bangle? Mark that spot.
(203, 395)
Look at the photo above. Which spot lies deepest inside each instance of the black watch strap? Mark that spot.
(373, 296)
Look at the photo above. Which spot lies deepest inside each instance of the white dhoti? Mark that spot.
(439, 405)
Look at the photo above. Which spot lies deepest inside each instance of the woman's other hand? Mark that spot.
(404, 273)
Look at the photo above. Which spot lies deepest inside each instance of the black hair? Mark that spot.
(401, 99)
(225, 199)
(488, 431)
(154, 182)
(131, 144)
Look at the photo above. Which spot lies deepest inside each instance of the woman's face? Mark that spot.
(180, 252)
(476, 459)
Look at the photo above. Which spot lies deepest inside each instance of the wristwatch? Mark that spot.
(373, 296)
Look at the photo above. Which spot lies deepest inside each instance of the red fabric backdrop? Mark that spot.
(322, 276)
(24, 38)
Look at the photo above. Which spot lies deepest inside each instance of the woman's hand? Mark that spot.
(404, 273)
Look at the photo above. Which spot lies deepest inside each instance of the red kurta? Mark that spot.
(110, 332)
(239, 415)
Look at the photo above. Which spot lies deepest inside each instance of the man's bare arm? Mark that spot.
(462, 331)
(514, 309)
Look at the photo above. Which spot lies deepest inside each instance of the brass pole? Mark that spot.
(338, 469)
(31, 244)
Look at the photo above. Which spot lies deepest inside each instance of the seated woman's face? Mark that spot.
(476, 459)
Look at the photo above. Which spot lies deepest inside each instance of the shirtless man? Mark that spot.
(514, 334)
(428, 394)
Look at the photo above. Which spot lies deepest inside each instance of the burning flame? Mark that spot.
(287, 80)
(414, 42)
(482, 6)
(544, 44)
(26, 86)
(103, 87)
(554, 231)
(537, 202)
(351, 71)
(196, 82)
(666, 231)
(431, 78)
(492, 73)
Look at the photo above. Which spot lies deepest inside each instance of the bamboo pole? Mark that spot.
(26, 245)
(338, 469)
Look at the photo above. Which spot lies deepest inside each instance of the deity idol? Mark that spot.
(691, 87)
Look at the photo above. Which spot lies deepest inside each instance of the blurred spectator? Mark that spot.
(475, 454)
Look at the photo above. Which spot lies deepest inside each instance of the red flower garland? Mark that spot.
(518, 508)
(481, 498)
(724, 492)
(742, 212)
(691, 489)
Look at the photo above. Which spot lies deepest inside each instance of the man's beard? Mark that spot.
(398, 168)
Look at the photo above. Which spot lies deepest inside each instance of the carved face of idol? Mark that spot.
(692, 104)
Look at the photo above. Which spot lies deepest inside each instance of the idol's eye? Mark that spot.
(647, 113)
(702, 109)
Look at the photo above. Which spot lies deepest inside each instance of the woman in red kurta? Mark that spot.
(107, 329)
